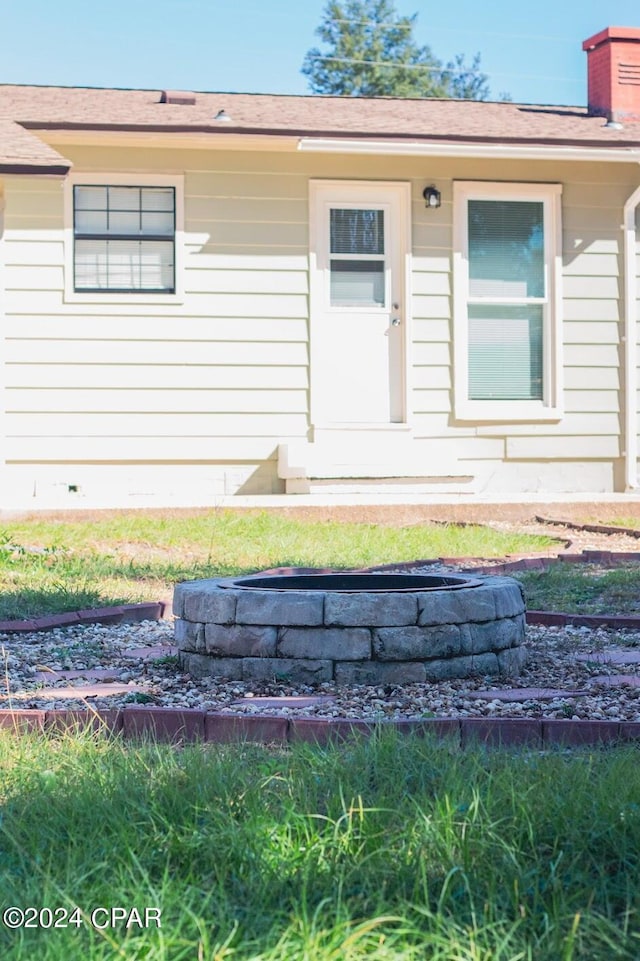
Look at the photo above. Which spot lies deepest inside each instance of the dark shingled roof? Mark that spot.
(31, 108)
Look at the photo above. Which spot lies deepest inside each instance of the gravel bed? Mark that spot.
(551, 665)
(568, 539)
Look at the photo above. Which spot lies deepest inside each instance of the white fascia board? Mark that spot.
(490, 151)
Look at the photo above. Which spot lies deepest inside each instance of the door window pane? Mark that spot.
(357, 231)
(357, 283)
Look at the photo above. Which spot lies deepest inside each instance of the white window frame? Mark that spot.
(549, 408)
(132, 179)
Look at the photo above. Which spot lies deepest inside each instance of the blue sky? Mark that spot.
(532, 50)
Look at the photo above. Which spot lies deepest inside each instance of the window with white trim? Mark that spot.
(507, 301)
(124, 238)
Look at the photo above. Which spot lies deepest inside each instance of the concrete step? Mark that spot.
(380, 486)
(374, 464)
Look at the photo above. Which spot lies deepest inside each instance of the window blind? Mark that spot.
(507, 297)
(505, 352)
(357, 257)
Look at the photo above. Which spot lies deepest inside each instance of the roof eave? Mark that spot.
(362, 142)
(43, 170)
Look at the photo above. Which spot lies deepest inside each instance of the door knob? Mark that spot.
(395, 322)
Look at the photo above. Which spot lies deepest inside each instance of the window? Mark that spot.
(507, 301)
(124, 238)
(357, 268)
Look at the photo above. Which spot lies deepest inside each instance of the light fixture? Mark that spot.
(222, 116)
(431, 196)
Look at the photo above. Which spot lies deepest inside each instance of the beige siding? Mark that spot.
(562, 448)
(123, 400)
(101, 326)
(591, 428)
(221, 375)
(149, 351)
(168, 377)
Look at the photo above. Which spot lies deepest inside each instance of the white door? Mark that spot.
(358, 311)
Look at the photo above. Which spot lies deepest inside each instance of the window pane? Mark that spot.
(124, 265)
(91, 221)
(124, 222)
(91, 264)
(505, 352)
(357, 231)
(157, 222)
(156, 265)
(157, 198)
(357, 283)
(506, 248)
(90, 198)
(124, 198)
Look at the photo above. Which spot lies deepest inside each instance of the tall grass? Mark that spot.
(388, 848)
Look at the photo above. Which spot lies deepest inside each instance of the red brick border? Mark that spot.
(190, 724)
(121, 614)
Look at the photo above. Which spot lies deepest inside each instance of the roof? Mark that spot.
(24, 110)
(23, 152)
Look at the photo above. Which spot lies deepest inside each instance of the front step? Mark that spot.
(381, 485)
(384, 463)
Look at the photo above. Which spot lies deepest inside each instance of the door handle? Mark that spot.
(395, 321)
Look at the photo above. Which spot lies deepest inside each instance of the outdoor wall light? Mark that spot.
(431, 196)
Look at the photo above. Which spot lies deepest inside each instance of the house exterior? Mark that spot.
(217, 294)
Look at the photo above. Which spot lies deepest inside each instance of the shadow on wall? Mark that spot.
(262, 480)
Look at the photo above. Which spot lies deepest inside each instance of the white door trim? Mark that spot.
(397, 195)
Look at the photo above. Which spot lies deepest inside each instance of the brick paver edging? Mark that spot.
(182, 725)
(122, 614)
(512, 563)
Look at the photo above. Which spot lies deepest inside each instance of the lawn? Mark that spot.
(392, 848)
(583, 589)
(49, 566)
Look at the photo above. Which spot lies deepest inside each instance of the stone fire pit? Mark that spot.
(350, 627)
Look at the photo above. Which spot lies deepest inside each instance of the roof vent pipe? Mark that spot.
(184, 97)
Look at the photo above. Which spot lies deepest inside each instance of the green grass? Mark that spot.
(393, 848)
(52, 566)
(631, 522)
(583, 589)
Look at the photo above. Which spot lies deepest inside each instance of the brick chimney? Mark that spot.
(613, 67)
